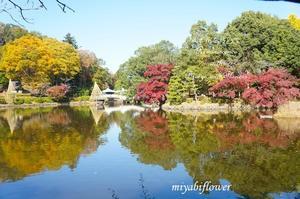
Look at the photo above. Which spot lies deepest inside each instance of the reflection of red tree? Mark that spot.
(155, 125)
(58, 118)
(90, 146)
(252, 129)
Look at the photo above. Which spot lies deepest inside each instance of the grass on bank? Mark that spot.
(27, 99)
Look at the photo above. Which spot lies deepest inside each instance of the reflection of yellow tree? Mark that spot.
(39, 151)
(48, 140)
(12, 118)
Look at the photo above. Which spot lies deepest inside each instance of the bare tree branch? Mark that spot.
(63, 6)
(10, 6)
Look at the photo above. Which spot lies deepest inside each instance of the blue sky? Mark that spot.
(114, 29)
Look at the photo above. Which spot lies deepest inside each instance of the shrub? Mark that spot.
(83, 92)
(19, 101)
(2, 100)
(31, 100)
(27, 100)
(58, 93)
(189, 100)
(81, 98)
(42, 100)
(204, 100)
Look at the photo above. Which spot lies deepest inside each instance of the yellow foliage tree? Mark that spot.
(65, 62)
(295, 21)
(37, 62)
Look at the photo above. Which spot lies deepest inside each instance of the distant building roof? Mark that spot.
(108, 90)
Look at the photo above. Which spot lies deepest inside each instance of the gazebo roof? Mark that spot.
(108, 90)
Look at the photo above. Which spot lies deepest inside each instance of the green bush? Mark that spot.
(189, 100)
(25, 99)
(2, 100)
(81, 98)
(204, 99)
(43, 100)
(83, 92)
(19, 101)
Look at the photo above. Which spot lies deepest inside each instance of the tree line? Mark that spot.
(254, 45)
(46, 66)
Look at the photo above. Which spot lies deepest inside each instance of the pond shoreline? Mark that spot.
(289, 110)
(41, 105)
(207, 107)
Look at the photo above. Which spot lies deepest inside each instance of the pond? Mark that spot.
(87, 153)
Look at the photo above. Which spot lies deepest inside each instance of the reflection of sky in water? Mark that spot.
(292, 195)
(125, 151)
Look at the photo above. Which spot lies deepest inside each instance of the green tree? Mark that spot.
(10, 32)
(255, 41)
(92, 69)
(103, 78)
(196, 70)
(70, 40)
(3, 81)
(131, 73)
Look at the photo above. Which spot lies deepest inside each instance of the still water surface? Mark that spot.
(86, 153)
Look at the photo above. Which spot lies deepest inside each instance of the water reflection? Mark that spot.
(257, 156)
(260, 158)
(35, 140)
(147, 135)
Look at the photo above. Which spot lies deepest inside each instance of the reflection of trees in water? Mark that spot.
(243, 149)
(256, 156)
(97, 114)
(256, 170)
(249, 129)
(12, 119)
(147, 135)
(48, 140)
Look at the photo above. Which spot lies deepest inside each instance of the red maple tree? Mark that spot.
(232, 86)
(268, 89)
(271, 89)
(58, 93)
(155, 89)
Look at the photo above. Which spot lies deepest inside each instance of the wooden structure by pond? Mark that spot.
(109, 96)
